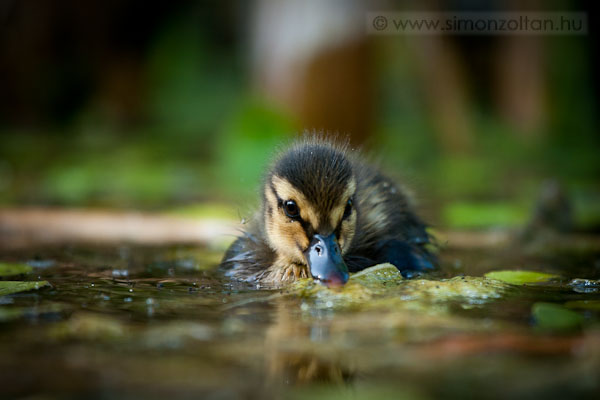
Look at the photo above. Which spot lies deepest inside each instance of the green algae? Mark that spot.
(382, 286)
(10, 287)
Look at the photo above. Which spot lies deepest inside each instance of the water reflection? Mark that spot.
(300, 352)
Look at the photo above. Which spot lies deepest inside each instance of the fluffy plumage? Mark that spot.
(337, 194)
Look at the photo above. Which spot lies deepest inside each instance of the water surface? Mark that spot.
(124, 322)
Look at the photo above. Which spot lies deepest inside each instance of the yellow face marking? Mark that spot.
(287, 237)
(335, 216)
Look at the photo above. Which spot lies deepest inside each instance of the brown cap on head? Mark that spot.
(321, 171)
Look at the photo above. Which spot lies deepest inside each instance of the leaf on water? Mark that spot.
(520, 277)
(10, 287)
(9, 269)
(555, 317)
(377, 274)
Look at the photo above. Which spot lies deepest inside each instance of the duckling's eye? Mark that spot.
(348, 209)
(291, 209)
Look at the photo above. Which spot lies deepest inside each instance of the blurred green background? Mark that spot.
(170, 106)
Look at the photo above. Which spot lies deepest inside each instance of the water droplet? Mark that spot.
(120, 273)
(584, 285)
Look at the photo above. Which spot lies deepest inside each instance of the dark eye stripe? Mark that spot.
(272, 188)
(308, 229)
(348, 209)
(306, 226)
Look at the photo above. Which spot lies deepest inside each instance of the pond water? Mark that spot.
(128, 322)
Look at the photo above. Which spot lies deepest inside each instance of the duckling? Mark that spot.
(325, 213)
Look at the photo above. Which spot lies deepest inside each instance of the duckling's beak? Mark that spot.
(325, 261)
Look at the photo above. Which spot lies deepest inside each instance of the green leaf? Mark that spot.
(483, 215)
(204, 211)
(10, 287)
(9, 269)
(377, 274)
(520, 277)
(555, 317)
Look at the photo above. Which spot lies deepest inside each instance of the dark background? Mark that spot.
(179, 105)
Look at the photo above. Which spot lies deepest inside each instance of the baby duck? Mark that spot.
(326, 213)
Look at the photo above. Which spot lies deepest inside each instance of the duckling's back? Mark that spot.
(388, 228)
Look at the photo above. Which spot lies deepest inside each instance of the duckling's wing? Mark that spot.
(246, 258)
(409, 259)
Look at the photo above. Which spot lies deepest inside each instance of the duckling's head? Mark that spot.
(308, 209)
